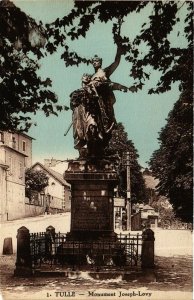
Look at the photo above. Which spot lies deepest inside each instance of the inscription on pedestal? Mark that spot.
(92, 207)
(92, 198)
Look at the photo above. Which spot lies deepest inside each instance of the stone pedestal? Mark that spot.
(92, 205)
(7, 246)
(147, 255)
(24, 260)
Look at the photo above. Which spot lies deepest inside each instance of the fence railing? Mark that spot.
(42, 250)
(55, 249)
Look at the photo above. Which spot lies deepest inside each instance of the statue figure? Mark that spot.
(93, 112)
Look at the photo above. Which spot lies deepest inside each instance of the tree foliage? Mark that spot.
(164, 208)
(120, 145)
(22, 91)
(173, 62)
(172, 162)
(35, 180)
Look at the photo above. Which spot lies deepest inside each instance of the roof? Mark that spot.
(147, 207)
(20, 133)
(56, 175)
(26, 135)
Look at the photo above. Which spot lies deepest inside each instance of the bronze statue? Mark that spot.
(93, 112)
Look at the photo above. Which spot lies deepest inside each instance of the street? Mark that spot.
(167, 242)
(171, 279)
(61, 222)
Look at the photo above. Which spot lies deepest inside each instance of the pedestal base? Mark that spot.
(92, 239)
(81, 235)
(92, 203)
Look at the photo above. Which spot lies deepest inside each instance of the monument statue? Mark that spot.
(93, 176)
(93, 112)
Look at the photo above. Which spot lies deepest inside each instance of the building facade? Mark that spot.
(15, 157)
(144, 214)
(58, 191)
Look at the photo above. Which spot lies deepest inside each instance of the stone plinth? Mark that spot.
(147, 255)
(92, 186)
(24, 259)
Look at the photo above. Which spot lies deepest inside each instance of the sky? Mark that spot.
(142, 115)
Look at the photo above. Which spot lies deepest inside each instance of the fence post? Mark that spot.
(50, 241)
(147, 254)
(23, 259)
(7, 246)
(51, 230)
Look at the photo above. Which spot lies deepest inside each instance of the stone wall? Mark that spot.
(33, 210)
(3, 211)
(15, 201)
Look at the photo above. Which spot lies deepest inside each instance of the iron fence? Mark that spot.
(48, 249)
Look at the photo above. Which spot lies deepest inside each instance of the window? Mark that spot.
(13, 142)
(23, 146)
(20, 170)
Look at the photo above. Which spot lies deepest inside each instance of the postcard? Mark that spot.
(96, 150)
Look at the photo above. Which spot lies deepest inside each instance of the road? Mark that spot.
(170, 280)
(167, 242)
(61, 222)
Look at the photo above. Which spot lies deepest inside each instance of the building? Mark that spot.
(58, 192)
(144, 214)
(148, 214)
(119, 206)
(15, 157)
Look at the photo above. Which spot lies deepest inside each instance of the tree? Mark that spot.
(173, 62)
(22, 91)
(120, 145)
(172, 162)
(35, 180)
(165, 210)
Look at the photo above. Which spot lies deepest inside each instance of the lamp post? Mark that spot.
(128, 193)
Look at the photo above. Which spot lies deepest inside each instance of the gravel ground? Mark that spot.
(170, 280)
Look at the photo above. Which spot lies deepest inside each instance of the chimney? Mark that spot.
(47, 162)
(50, 162)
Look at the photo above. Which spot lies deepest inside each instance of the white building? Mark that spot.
(15, 157)
(58, 192)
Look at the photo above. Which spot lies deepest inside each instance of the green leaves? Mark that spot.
(35, 180)
(172, 162)
(71, 58)
(22, 91)
(173, 63)
(119, 144)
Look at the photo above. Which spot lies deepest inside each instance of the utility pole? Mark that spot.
(128, 193)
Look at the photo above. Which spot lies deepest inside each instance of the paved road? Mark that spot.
(61, 222)
(172, 280)
(167, 242)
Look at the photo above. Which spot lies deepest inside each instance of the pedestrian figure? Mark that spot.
(124, 221)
